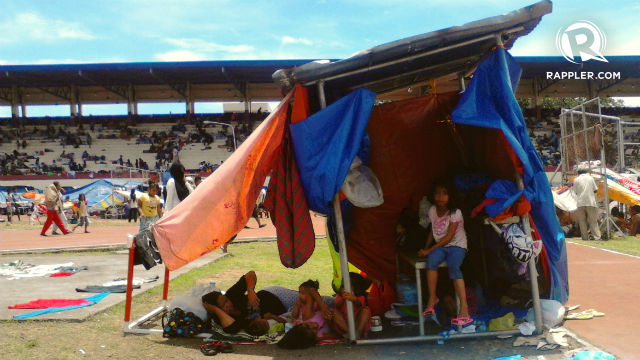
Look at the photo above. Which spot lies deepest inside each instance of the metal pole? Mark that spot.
(621, 164)
(342, 244)
(584, 135)
(575, 144)
(533, 272)
(563, 147)
(603, 163)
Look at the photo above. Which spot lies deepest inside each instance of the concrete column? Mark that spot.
(247, 98)
(536, 100)
(15, 102)
(24, 109)
(189, 103)
(132, 104)
(73, 102)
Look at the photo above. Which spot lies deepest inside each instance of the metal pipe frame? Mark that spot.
(417, 56)
(342, 244)
(586, 113)
(437, 337)
(132, 327)
(533, 272)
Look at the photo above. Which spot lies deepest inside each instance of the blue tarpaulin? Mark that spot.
(489, 102)
(99, 190)
(326, 143)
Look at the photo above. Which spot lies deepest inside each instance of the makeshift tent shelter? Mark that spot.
(102, 194)
(411, 142)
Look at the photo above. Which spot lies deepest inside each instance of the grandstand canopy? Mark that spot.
(251, 80)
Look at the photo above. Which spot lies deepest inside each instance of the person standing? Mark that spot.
(52, 201)
(585, 189)
(177, 187)
(83, 213)
(133, 207)
(150, 206)
(12, 205)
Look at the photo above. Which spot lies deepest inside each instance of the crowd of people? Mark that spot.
(166, 145)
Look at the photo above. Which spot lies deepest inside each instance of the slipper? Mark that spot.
(263, 225)
(571, 308)
(461, 321)
(429, 312)
(594, 312)
(209, 349)
(579, 316)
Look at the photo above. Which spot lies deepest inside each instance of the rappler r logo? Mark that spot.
(581, 39)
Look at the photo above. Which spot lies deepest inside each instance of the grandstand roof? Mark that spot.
(233, 80)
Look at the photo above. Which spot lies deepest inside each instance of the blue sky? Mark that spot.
(64, 31)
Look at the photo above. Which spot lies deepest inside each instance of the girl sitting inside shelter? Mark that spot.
(450, 246)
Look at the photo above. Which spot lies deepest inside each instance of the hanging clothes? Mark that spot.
(220, 207)
(289, 211)
(285, 198)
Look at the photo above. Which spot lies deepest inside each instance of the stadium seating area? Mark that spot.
(102, 145)
(120, 146)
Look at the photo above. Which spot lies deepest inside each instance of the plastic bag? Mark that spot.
(193, 302)
(505, 322)
(552, 313)
(361, 186)
(423, 212)
(380, 298)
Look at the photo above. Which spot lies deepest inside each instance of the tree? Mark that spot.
(568, 102)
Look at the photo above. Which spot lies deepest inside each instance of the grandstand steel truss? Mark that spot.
(578, 128)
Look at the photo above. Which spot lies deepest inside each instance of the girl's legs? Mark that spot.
(455, 256)
(86, 223)
(432, 282)
(339, 324)
(458, 284)
(362, 322)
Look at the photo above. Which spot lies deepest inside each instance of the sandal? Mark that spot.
(461, 321)
(209, 349)
(594, 312)
(580, 316)
(429, 312)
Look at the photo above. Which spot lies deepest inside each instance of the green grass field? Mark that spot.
(626, 244)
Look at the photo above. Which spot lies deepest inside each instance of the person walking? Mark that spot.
(584, 190)
(83, 213)
(52, 201)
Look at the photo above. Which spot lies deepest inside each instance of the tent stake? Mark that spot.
(533, 272)
(342, 245)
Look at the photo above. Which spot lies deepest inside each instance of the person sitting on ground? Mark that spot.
(361, 312)
(633, 225)
(311, 308)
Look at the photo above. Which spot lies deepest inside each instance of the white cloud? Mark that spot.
(180, 55)
(32, 26)
(291, 40)
(207, 46)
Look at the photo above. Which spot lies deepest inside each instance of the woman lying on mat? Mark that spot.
(233, 309)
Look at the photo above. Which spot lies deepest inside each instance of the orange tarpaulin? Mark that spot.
(221, 206)
(34, 195)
